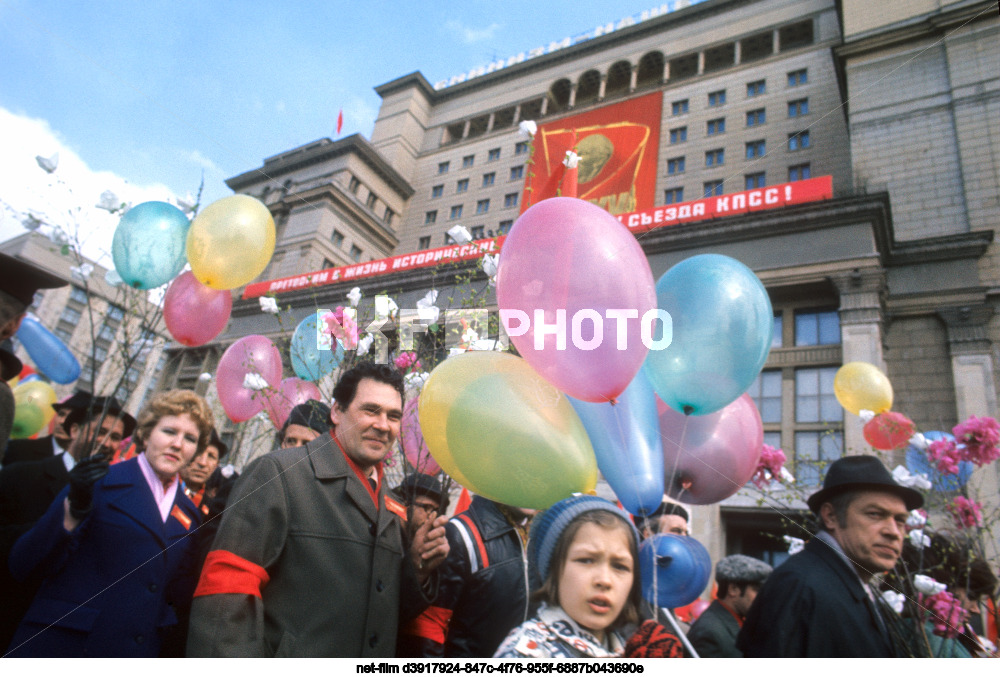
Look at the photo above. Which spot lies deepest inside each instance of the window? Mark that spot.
(488, 179)
(437, 191)
(353, 185)
(388, 216)
(798, 140)
(717, 98)
(717, 126)
(816, 404)
(70, 316)
(675, 165)
(714, 158)
(456, 212)
(798, 108)
(78, 295)
(462, 186)
(814, 328)
(504, 227)
(370, 202)
(679, 135)
(800, 77)
(478, 232)
(799, 172)
(517, 173)
(713, 188)
(766, 394)
(425, 242)
(482, 206)
(337, 238)
(751, 181)
(673, 195)
(327, 263)
(520, 148)
(355, 252)
(116, 313)
(814, 450)
(443, 167)
(755, 88)
(510, 200)
(493, 155)
(679, 107)
(756, 149)
(107, 332)
(430, 217)
(448, 239)
(756, 117)
(468, 161)
(776, 339)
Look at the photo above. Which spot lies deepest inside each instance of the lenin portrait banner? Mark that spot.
(617, 145)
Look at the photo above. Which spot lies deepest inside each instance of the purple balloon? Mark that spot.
(195, 314)
(252, 354)
(708, 458)
(291, 392)
(412, 440)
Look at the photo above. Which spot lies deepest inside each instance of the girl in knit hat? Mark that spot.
(585, 549)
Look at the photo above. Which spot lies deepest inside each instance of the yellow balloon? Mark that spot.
(230, 242)
(859, 385)
(502, 431)
(33, 408)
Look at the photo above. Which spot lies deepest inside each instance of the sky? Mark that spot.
(146, 99)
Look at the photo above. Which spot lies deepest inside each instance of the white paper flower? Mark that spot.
(527, 128)
(460, 234)
(787, 476)
(918, 441)
(205, 377)
(354, 296)
(268, 304)
(905, 478)
(489, 264)
(384, 307)
(571, 160)
(109, 202)
(865, 415)
(364, 343)
(916, 519)
(49, 164)
(254, 381)
(113, 278)
(187, 203)
(894, 600)
(227, 470)
(426, 310)
(81, 272)
(919, 539)
(927, 585)
(795, 545)
(415, 379)
(32, 222)
(485, 344)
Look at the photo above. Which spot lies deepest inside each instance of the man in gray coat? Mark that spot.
(713, 634)
(311, 559)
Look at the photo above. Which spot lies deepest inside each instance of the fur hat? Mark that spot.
(742, 570)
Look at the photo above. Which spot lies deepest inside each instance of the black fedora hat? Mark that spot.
(865, 473)
(93, 410)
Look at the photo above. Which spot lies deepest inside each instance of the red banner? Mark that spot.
(617, 146)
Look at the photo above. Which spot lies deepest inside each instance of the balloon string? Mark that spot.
(677, 457)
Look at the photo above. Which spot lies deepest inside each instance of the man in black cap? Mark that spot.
(50, 445)
(19, 280)
(820, 603)
(306, 422)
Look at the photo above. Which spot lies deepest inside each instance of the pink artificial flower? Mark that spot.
(947, 614)
(769, 466)
(342, 326)
(966, 513)
(946, 455)
(980, 437)
(406, 360)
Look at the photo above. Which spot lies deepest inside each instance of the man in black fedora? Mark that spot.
(820, 603)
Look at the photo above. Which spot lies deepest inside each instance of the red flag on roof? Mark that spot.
(340, 121)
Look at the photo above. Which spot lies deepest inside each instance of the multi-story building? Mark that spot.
(894, 266)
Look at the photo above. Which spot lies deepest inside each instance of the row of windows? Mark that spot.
(354, 185)
(492, 155)
(753, 150)
(756, 88)
(338, 240)
(477, 232)
(754, 118)
(750, 182)
(489, 179)
(482, 207)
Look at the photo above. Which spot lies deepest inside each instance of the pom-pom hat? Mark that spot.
(549, 526)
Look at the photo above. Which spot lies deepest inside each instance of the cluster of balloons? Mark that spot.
(861, 387)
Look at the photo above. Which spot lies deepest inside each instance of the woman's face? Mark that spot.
(197, 472)
(597, 577)
(172, 444)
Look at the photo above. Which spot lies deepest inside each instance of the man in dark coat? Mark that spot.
(819, 602)
(311, 558)
(48, 446)
(713, 634)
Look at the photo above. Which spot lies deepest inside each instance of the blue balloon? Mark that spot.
(48, 352)
(674, 569)
(917, 462)
(626, 440)
(722, 325)
(308, 361)
(150, 244)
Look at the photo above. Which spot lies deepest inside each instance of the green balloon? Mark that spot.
(28, 420)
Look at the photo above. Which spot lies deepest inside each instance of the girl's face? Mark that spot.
(172, 444)
(597, 577)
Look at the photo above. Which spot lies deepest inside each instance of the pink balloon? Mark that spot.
(195, 314)
(414, 448)
(292, 391)
(708, 458)
(252, 354)
(572, 262)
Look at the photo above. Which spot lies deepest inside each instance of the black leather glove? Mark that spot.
(81, 484)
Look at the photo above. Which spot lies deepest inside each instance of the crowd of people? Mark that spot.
(128, 536)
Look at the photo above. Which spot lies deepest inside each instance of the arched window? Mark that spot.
(619, 79)
(650, 73)
(588, 88)
(559, 95)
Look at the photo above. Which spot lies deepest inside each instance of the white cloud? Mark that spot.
(205, 163)
(469, 35)
(66, 198)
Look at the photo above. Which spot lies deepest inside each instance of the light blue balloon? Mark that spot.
(149, 247)
(674, 569)
(722, 324)
(308, 361)
(917, 462)
(48, 352)
(627, 443)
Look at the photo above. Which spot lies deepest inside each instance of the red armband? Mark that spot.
(225, 573)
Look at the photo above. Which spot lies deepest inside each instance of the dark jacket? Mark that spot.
(713, 634)
(484, 591)
(19, 451)
(110, 585)
(813, 606)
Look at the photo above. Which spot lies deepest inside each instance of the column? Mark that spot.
(666, 71)
(775, 42)
(633, 78)
(602, 87)
(737, 52)
(465, 129)
(572, 95)
(489, 122)
(701, 63)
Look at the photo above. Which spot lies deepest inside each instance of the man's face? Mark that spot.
(872, 533)
(672, 524)
(741, 603)
(201, 467)
(58, 431)
(84, 445)
(298, 436)
(424, 508)
(369, 425)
